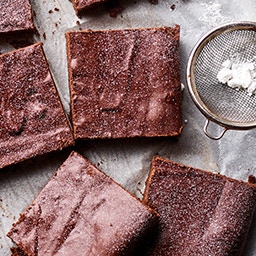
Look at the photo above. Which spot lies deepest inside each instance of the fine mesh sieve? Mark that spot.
(228, 107)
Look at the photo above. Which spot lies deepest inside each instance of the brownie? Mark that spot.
(82, 211)
(125, 83)
(201, 213)
(32, 120)
(82, 5)
(16, 16)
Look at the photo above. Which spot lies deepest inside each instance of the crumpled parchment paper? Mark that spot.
(128, 161)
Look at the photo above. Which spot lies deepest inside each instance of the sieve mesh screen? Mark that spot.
(228, 104)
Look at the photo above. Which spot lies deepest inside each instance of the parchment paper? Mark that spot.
(128, 161)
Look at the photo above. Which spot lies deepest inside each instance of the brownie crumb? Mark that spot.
(44, 36)
(172, 7)
(252, 179)
(56, 9)
(50, 11)
(78, 23)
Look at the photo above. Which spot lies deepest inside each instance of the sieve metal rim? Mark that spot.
(241, 25)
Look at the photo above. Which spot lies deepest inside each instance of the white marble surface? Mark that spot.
(128, 161)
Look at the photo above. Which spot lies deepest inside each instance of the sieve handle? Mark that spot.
(210, 135)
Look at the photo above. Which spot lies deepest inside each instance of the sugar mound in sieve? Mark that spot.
(239, 74)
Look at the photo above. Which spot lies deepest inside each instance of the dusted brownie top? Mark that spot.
(125, 83)
(15, 16)
(200, 213)
(81, 211)
(32, 119)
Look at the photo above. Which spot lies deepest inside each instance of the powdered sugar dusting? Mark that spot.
(200, 213)
(130, 84)
(155, 106)
(84, 210)
(239, 75)
(74, 63)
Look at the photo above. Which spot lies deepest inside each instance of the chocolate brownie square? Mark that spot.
(32, 119)
(125, 83)
(201, 213)
(82, 211)
(15, 16)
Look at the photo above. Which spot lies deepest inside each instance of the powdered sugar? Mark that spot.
(239, 74)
